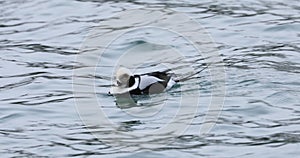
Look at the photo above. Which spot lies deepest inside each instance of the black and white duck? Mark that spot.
(137, 84)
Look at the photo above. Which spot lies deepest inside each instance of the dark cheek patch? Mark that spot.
(118, 83)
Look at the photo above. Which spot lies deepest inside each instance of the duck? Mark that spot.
(140, 84)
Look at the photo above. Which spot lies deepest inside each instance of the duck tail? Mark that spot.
(191, 75)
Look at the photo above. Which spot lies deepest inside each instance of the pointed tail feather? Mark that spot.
(191, 75)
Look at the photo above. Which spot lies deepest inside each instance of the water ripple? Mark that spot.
(258, 41)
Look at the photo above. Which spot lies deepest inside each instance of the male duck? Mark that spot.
(149, 83)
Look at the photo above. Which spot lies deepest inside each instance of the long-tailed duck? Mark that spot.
(149, 83)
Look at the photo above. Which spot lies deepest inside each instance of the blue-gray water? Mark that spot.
(258, 41)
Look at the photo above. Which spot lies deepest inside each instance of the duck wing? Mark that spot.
(147, 81)
(160, 75)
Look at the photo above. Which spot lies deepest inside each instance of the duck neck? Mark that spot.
(131, 81)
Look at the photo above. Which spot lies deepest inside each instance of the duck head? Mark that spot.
(123, 76)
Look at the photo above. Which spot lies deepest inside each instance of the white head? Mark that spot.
(122, 76)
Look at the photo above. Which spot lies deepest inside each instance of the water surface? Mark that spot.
(258, 41)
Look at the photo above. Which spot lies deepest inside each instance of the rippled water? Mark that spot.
(258, 41)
